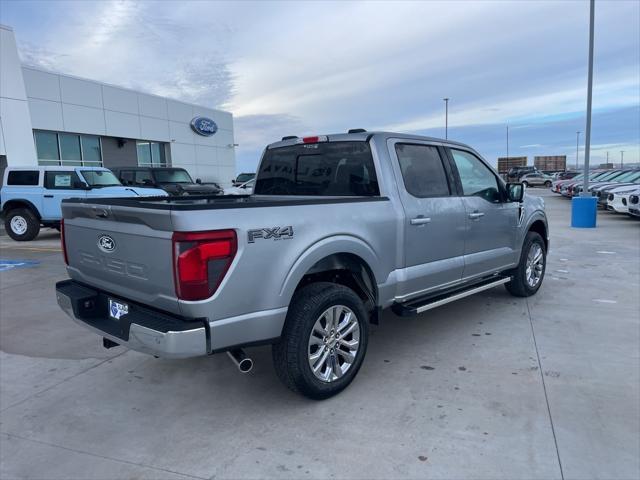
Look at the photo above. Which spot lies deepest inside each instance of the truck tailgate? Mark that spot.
(125, 251)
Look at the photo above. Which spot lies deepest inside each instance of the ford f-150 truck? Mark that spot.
(339, 228)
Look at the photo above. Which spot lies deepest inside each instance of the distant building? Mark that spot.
(553, 163)
(606, 165)
(506, 163)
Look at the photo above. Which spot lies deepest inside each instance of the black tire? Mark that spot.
(525, 183)
(547, 184)
(290, 354)
(31, 223)
(519, 286)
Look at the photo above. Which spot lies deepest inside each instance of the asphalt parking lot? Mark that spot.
(488, 387)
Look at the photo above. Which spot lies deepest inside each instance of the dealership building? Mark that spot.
(50, 118)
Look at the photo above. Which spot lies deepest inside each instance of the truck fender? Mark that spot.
(324, 248)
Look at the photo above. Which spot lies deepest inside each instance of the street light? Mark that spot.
(507, 143)
(446, 117)
(577, 147)
(621, 158)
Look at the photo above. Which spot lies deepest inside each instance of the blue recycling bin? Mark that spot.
(584, 211)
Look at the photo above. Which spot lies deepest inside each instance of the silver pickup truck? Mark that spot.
(339, 228)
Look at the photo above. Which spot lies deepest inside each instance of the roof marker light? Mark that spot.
(315, 139)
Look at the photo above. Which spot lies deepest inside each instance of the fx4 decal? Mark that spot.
(276, 233)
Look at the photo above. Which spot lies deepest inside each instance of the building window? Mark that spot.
(151, 154)
(47, 148)
(91, 151)
(67, 149)
(70, 152)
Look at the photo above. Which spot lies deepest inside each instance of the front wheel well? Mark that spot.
(349, 270)
(15, 204)
(539, 227)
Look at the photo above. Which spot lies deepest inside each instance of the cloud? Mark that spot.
(316, 67)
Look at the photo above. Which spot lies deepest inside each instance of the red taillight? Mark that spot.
(63, 244)
(201, 260)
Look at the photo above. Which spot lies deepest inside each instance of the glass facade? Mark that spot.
(67, 149)
(151, 154)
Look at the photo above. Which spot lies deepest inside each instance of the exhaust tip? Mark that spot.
(241, 360)
(246, 365)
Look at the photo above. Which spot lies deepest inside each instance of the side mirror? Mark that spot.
(198, 180)
(515, 192)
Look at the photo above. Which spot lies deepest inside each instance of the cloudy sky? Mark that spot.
(295, 68)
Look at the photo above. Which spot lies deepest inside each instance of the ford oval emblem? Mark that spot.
(204, 126)
(106, 243)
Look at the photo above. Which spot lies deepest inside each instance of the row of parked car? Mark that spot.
(617, 190)
(31, 197)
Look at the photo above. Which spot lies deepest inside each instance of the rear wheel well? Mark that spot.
(349, 270)
(15, 204)
(539, 227)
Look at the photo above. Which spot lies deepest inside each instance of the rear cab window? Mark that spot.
(62, 180)
(23, 177)
(318, 169)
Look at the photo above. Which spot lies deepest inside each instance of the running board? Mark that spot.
(414, 307)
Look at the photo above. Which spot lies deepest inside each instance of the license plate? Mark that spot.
(117, 309)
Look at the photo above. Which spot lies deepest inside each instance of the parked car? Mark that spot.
(31, 196)
(602, 190)
(329, 238)
(173, 180)
(613, 177)
(566, 175)
(536, 180)
(634, 205)
(618, 198)
(244, 189)
(242, 179)
(567, 186)
(516, 173)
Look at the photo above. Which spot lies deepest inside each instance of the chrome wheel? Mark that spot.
(334, 343)
(535, 265)
(18, 225)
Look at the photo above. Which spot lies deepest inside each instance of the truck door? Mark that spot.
(434, 226)
(59, 185)
(491, 221)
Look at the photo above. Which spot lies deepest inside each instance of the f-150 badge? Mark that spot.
(276, 233)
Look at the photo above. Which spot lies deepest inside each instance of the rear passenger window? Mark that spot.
(23, 177)
(64, 180)
(126, 177)
(422, 170)
(142, 175)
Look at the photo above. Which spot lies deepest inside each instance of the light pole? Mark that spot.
(577, 147)
(446, 117)
(507, 144)
(587, 139)
(621, 158)
(607, 158)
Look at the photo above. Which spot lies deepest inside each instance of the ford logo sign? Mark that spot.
(106, 243)
(204, 126)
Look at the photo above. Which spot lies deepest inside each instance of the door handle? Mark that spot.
(48, 196)
(420, 220)
(476, 215)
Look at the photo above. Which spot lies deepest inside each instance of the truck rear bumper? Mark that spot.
(141, 329)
